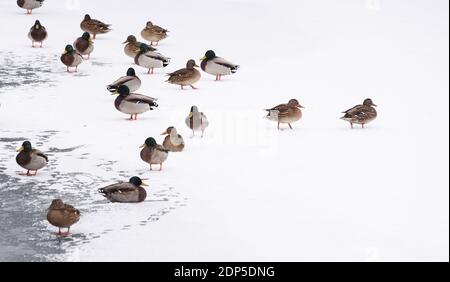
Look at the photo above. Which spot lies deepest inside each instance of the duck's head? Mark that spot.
(130, 39)
(56, 204)
(294, 103)
(136, 181)
(368, 102)
(86, 36)
(87, 17)
(26, 147)
(68, 49)
(194, 110)
(131, 72)
(191, 64)
(149, 142)
(122, 90)
(37, 24)
(149, 24)
(209, 55)
(170, 130)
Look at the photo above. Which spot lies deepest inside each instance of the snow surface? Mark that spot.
(247, 191)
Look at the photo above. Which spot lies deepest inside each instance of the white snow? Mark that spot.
(247, 191)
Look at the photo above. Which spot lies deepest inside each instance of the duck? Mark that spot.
(286, 113)
(30, 159)
(153, 33)
(150, 59)
(153, 153)
(30, 5)
(37, 33)
(361, 114)
(62, 215)
(173, 142)
(71, 58)
(94, 27)
(132, 103)
(130, 80)
(185, 76)
(125, 192)
(84, 45)
(132, 47)
(216, 65)
(196, 121)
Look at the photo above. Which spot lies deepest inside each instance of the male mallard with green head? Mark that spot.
(132, 103)
(29, 5)
(150, 59)
(125, 192)
(30, 159)
(84, 45)
(286, 113)
(153, 153)
(37, 33)
(173, 142)
(216, 65)
(130, 80)
(94, 27)
(133, 47)
(185, 76)
(153, 33)
(71, 58)
(62, 215)
(196, 121)
(361, 114)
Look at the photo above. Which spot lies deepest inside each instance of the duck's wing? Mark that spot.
(357, 110)
(161, 148)
(122, 187)
(70, 209)
(99, 24)
(225, 63)
(180, 75)
(36, 152)
(124, 79)
(159, 29)
(138, 98)
(156, 56)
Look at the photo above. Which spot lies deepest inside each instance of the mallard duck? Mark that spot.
(94, 27)
(173, 142)
(153, 153)
(133, 47)
(130, 80)
(132, 103)
(125, 192)
(37, 33)
(186, 76)
(29, 5)
(84, 45)
(62, 216)
(196, 121)
(285, 113)
(361, 114)
(216, 65)
(153, 33)
(149, 59)
(30, 159)
(71, 58)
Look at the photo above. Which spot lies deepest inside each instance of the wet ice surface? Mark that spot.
(25, 233)
(36, 69)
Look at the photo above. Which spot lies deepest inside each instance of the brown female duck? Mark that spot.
(94, 27)
(361, 114)
(62, 215)
(185, 76)
(285, 113)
